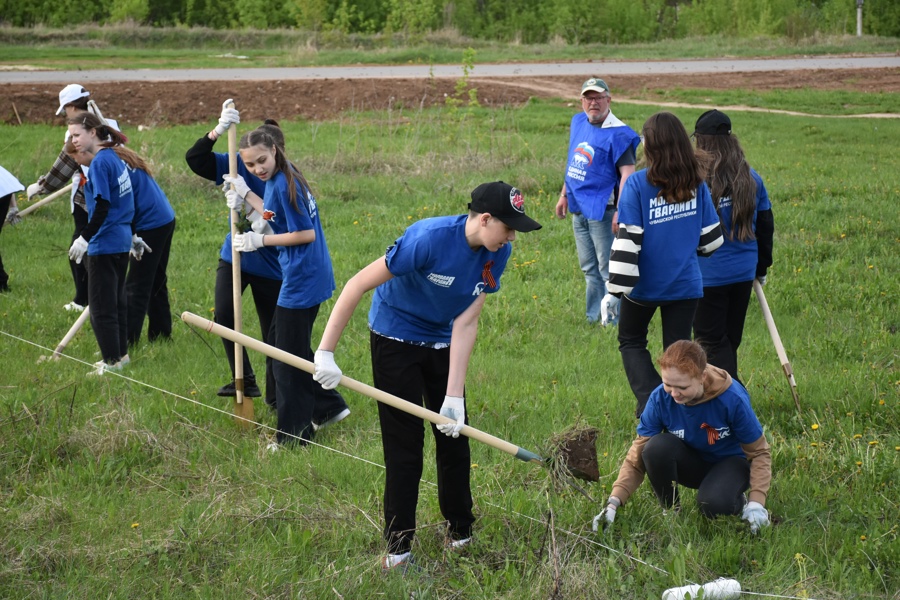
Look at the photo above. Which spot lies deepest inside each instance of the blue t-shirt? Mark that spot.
(716, 429)
(109, 180)
(734, 261)
(667, 261)
(263, 262)
(308, 277)
(437, 276)
(151, 207)
(591, 173)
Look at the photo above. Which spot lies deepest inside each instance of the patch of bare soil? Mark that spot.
(186, 102)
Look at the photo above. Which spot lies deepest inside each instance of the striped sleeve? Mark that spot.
(623, 261)
(710, 239)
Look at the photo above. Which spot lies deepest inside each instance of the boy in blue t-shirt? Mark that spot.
(430, 288)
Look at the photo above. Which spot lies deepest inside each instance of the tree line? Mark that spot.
(524, 21)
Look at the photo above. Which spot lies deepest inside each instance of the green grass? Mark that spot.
(123, 46)
(110, 488)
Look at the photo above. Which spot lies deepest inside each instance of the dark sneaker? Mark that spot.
(332, 420)
(251, 390)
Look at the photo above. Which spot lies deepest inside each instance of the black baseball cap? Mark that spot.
(505, 202)
(713, 122)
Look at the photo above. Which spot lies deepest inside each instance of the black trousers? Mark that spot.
(79, 271)
(265, 295)
(720, 486)
(147, 289)
(634, 321)
(299, 399)
(415, 373)
(109, 308)
(719, 323)
(4, 209)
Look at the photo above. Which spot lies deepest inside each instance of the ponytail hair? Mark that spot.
(132, 159)
(108, 136)
(270, 136)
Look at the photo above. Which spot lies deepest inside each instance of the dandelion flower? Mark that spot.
(873, 443)
(862, 538)
(815, 426)
(857, 436)
(859, 463)
(135, 525)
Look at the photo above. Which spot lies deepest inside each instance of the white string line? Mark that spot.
(342, 453)
(198, 403)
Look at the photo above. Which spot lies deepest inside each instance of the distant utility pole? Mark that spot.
(859, 4)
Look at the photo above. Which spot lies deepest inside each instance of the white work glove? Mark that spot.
(230, 116)
(233, 200)
(138, 247)
(240, 186)
(12, 217)
(33, 190)
(761, 279)
(453, 407)
(78, 249)
(327, 372)
(609, 310)
(248, 242)
(258, 224)
(606, 516)
(755, 514)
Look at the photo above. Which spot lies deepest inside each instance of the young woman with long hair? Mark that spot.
(106, 240)
(666, 218)
(744, 209)
(292, 215)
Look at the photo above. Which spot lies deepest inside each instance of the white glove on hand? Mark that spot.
(609, 310)
(78, 249)
(453, 407)
(248, 242)
(230, 116)
(327, 372)
(757, 515)
(258, 224)
(33, 190)
(138, 247)
(240, 186)
(12, 217)
(761, 279)
(233, 199)
(605, 518)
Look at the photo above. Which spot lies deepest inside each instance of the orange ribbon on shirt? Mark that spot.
(487, 277)
(712, 436)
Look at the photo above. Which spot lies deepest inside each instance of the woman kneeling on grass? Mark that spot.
(698, 430)
(107, 237)
(294, 227)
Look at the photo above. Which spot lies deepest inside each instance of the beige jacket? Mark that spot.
(715, 381)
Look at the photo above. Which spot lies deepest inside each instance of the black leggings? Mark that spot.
(719, 323)
(146, 286)
(79, 271)
(265, 296)
(720, 486)
(109, 307)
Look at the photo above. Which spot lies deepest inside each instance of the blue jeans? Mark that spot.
(593, 241)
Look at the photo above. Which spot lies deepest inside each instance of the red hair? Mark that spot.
(685, 356)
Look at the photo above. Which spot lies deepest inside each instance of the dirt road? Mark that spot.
(153, 103)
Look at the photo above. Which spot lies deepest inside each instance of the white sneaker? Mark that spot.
(101, 367)
(71, 306)
(457, 545)
(123, 361)
(272, 447)
(335, 419)
(400, 562)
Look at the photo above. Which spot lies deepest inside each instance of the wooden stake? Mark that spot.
(776, 339)
(243, 406)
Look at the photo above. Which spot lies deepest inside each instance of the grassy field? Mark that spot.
(123, 46)
(142, 486)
